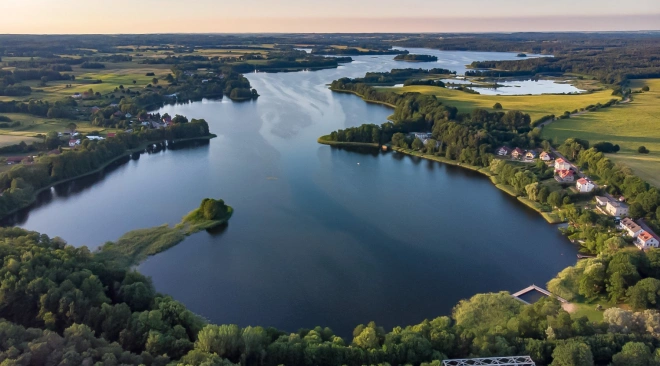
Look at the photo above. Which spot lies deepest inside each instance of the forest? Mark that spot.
(415, 58)
(64, 305)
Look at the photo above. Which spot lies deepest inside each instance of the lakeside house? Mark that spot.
(74, 143)
(546, 156)
(95, 138)
(11, 160)
(630, 227)
(565, 176)
(504, 151)
(167, 119)
(584, 185)
(517, 153)
(531, 155)
(616, 208)
(646, 240)
(417, 135)
(561, 164)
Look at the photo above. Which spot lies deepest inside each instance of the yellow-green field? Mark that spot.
(536, 105)
(33, 125)
(629, 125)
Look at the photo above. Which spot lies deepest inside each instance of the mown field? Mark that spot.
(536, 105)
(628, 125)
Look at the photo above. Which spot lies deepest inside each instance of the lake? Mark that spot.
(320, 236)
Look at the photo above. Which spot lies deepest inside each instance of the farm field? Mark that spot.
(33, 125)
(629, 125)
(536, 105)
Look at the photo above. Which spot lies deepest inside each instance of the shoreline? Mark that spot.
(550, 217)
(362, 96)
(97, 170)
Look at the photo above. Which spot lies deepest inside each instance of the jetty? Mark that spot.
(582, 256)
(541, 290)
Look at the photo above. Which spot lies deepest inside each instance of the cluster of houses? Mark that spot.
(526, 155)
(644, 238)
(152, 122)
(424, 137)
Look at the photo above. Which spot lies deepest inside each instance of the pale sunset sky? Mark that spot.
(238, 16)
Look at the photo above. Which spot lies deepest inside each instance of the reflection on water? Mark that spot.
(320, 235)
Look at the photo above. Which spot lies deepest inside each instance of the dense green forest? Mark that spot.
(64, 305)
(415, 58)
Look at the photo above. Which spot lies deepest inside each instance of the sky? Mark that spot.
(315, 16)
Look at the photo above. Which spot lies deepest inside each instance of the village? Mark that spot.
(72, 139)
(565, 173)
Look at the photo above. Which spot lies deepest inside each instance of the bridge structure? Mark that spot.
(500, 361)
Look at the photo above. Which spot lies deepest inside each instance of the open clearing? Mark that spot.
(536, 105)
(629, 125)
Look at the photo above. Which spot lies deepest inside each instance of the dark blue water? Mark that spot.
(320, 236)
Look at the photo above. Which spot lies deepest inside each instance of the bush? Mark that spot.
(5, 119)
(606, 147)
(643, 150)
(497, 106)
(645, 88)
(150, 74)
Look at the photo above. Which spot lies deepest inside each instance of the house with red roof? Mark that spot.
(111, 134)
(561, 164)
(517, 153)
(584, 185)
(646, 240)
(565, 176)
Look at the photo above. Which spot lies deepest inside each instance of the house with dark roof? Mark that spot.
(517, 153)
(504, 151)
(630, 227)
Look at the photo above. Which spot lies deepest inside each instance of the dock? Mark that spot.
(582, 256)
(541, 290)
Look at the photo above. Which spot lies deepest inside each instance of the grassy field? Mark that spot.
(536, 105)
(33, 125)
(629, 125)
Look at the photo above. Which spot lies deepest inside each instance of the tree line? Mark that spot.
(65, 305)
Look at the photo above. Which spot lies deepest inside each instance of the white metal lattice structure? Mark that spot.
(501, 361)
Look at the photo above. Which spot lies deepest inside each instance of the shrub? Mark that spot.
(497, 106)
(643, 150)
(645, 88)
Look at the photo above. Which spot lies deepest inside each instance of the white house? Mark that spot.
(561, 164)
(546, 156)
(530, 155)
(422, 135)
(95, 138)
(584, 185)
(565, 176)
(503, 151)
(602, 201)
(74, 143)
(630, 227)
(616, 208)
(646, 240)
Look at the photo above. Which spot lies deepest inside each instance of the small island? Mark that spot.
(521, 55)
(415, 58)
(137, 245)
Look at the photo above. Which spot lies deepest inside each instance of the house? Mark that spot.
(167, 119)
(616, 208)
(417, 135)
(584, 185)
(114, 105)
(14, 160)
(74, 143)
(531, 155)
(630, 227)
(602, 201)
(503, 151)
(561, 164)
(205, 81)
(646, 240)
(111, 134)
(128, 115)
(77, 96)
(546, 156)
(118, 114)
(517, 153)
(565, 176)
(95, 138)
(95, 109)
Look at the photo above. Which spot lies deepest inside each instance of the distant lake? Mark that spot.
(527, 87)
(320, 236)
